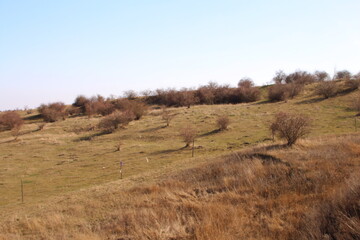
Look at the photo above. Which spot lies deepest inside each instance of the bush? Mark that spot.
(290, 126)
(111, 122)
(167, 116)
(278, 92)
(326, 89)
(53, 112)
(222, 122)
(245, 83)
(137, 108)
(343, 75)
(10, 121)
(300, 77)
(354, 82)
(321, 76)
(279, 77)
(73, 111)
(188, 134)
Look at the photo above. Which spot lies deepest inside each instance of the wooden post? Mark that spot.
(193, 148)
(22, 191)
(355, 125)
(121, 165)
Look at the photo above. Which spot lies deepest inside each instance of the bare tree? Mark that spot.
(326, 89)
(167, 116)
(188, 135)
(222, 122)
(290, 126)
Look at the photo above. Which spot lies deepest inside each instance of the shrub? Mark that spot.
(81, 102)
(111, 122)
(293, 89)
(326, 89)
(167, 116)
(300, 77)
(245, 83)
(251, 94)
(279, 77)
(130, 94)
(278, 92)
(247, 91)
(290, 126)
(343, 75)
(73, 111)
(222, 122)
(10, 121)
(188, 135)
(321, 76)
(354, 82)
(137, 108)
(53, 112)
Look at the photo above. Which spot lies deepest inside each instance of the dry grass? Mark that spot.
(73, 171)
(269, 192)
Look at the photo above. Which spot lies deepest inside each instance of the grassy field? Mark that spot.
(66, 156)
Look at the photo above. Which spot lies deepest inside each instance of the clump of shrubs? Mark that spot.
(290, 127)
(222, 122)
(326, 89)
(137, 108)
(11, 121)
(53, 112)
(354, 82)
(188, 135)
(247, 91)
(112, 122)
(278, 92)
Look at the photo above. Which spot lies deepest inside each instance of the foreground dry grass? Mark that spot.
(311, 191)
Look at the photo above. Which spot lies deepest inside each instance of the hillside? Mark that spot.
(238, 178)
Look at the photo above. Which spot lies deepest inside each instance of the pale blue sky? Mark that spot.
(56, 50)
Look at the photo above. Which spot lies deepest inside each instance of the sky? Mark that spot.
(56, 50)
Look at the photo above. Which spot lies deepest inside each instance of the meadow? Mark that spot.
(69, 168)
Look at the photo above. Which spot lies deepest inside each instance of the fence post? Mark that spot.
(22, 191)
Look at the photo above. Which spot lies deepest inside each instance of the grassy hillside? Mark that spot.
(310, 191)
(67, 155)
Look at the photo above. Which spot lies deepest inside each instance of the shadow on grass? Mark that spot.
(260, 153)
(265, 102)
(153, 129)
(91, 136)
(33, 117)
(313, 100)
(170, 150)
(210, 133)
(9, 141)
(346, 91)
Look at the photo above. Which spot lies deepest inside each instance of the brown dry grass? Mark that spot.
(310, 191)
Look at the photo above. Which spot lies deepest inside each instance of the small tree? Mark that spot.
(278, 92)
(188, 135)
(321, 76)
(222, 122)
(326, 89)
(111, 122)
(245, 83)
(279, 77)
(290, 126)
(53, 112)
(343, 75)
(167, 116)
(11, 121)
